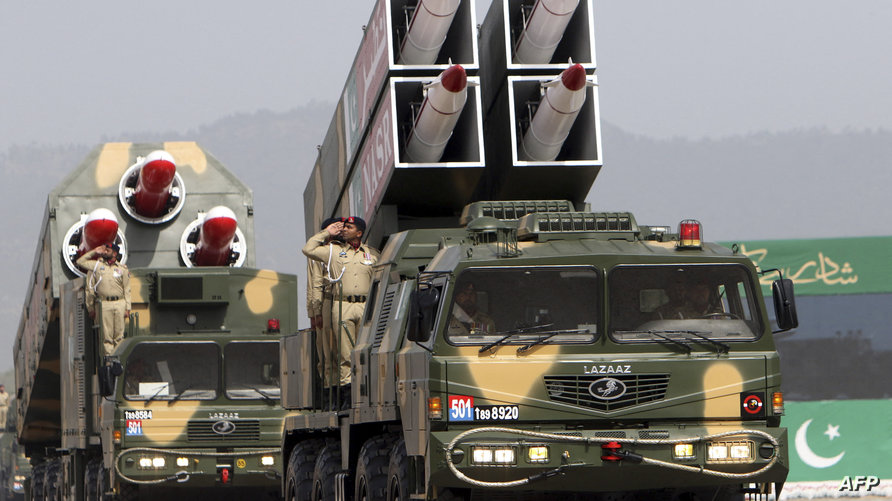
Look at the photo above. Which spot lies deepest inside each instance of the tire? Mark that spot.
(328, 464)
(53, 487)
(37, 477)
(301, 464)
(91, 481)
(398, 473)
(372, 468)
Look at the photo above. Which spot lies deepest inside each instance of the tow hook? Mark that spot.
(182, 476)
(613, 453)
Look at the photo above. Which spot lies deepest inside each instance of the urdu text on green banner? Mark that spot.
(831, 266)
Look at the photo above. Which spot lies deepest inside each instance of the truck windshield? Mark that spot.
(168, 371)
(251, 370)
(524, 305)
(683, 304)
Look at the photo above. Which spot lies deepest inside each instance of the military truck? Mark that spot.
(540, 351)
(190, 398)
(14, 466)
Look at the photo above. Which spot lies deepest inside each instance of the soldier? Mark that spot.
(4, 407)
(348, 268)
(109, 283)
(467, 319)
(319, 309)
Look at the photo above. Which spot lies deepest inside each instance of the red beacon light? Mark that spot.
(690, 232)
(272, 325)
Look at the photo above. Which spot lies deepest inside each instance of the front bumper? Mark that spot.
(608, 460)
(260, 467)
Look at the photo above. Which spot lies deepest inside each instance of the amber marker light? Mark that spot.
(435, 408)
(116, 436)
(777, 403)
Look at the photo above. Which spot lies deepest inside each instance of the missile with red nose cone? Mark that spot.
(427, 31)
(153, 187)
(100, 228)
(214, 246)
(543, 31)
(442, 106)
(550, 126)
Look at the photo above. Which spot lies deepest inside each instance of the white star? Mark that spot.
(832, 431)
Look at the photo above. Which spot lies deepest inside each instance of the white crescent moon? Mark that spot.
(807, 455)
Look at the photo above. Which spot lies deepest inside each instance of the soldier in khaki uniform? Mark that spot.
(4, 407)
(319, 308)
(109, 283)
(348, 266)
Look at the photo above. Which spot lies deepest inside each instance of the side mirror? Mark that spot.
(784, 304)
(422, 310)
(106, 381)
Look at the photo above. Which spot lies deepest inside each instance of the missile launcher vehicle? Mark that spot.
(14, 465)
(516, 344)
(190, 397)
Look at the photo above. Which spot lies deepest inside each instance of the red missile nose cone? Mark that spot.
(454, 78)
(100, 228)
(573, 77)
(157, 175)
(218, 232)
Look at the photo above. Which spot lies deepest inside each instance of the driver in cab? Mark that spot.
(689, 301)
(467, 319)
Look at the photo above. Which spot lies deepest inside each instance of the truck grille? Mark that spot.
(639, 389)
(203, 431)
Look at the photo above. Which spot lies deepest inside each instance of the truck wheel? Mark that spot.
(37, 482)
(372, 468)
(328, 464)
(299, 480)
(53, 482)
(91, 480)
(397, 473)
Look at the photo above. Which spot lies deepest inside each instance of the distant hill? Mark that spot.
(803, 183)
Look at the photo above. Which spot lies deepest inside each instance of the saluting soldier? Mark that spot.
(4, 407)
(319, 309)
(348, 265)
(108, 282)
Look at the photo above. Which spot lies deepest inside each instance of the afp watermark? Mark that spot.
(856, 483)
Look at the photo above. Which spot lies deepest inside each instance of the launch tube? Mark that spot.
(153, 187)
(440, 111)
(543, 31)
(427, 31)
(550, 126)
(215, 242)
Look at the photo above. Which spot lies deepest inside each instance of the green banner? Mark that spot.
(834, 439)
(830, 266)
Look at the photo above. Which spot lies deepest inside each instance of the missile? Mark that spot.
(427, 31)
(444, 100)
(550, 126)
(543, 31)
(156, 177)
(100, 228)
(215, 241)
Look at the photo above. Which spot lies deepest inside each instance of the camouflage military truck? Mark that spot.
(543, 353)
(14, 466)
(190, 398)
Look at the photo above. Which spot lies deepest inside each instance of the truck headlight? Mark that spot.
(493, 455)
(158, 462)
(683, 451)
(145, 462)
(738, 451)
(537, 454)
(267, 460)
(182, 462)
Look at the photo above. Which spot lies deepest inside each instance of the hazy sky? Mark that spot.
(73, 71)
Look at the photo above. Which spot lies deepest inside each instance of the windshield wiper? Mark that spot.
(160, 389)
(262, 394)
(686, 347)
(509, 334)
(180, 394)
(548, 335)
(720, 347)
